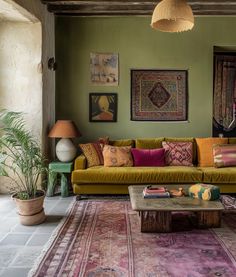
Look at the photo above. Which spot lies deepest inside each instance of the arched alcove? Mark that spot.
(20, 68)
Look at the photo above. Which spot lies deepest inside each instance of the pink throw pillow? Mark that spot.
(148, 157)
(178, 153)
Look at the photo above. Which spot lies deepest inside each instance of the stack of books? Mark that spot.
(155, 192)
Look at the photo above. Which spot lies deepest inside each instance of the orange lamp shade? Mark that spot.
(64, 129)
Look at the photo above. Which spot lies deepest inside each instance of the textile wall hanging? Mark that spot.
(224, 104)
(159, 95)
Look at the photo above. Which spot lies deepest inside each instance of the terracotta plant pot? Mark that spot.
(31, 211)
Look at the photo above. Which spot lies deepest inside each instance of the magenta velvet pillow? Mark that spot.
(148, 157)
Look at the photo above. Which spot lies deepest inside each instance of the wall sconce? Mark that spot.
(52, 65)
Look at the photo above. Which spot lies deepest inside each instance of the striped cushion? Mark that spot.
(224, 155)
(93, 153)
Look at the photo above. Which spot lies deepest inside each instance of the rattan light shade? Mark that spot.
(173, 16)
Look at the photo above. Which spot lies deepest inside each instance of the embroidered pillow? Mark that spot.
(205, 149)
(93, 153)
(178, 153)
(224, 155)
(103, 140)
(117, 155)
(148, 157)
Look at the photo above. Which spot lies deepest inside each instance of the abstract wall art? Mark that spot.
(103, 107)
(104, 69)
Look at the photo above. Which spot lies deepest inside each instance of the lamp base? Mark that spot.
(65, 150)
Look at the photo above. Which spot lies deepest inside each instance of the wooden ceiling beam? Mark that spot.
(128, 7)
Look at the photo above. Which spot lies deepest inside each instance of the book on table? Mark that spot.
(155, 192)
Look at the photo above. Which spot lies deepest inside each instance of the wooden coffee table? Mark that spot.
(155, 214)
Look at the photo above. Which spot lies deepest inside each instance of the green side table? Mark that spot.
(62, 170)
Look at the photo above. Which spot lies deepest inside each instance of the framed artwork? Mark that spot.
(104, 69)
(159, 95)
(103, 107)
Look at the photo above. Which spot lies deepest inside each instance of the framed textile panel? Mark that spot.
(102, 107)
(104, 69)
(159, 95)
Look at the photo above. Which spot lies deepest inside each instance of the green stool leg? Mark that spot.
(64, 186)
(52, 177)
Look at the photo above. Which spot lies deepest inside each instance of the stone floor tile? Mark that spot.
(23, 229)
(15, 272)
(26, 257)
(15, 239)
(7, 254)
(38, 239)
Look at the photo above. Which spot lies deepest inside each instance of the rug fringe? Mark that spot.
(54, 234)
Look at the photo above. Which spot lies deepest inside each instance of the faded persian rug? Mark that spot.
(103, 238)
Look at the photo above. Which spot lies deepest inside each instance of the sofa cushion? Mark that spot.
(232, 140)
(190, 139)
(178, 153)
(148, 157)
(149, 143)
(93, 153)
(117, 156)
(224, 175)
(137, 175)
(224, 155)
(122, 142)
(205, 150)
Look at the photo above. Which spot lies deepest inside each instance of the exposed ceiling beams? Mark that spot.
(133, 7)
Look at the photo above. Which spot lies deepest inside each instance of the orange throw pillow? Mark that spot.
(205, 150)
(117, 156)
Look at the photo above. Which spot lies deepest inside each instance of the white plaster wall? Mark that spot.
(20, 74)
(39, 10)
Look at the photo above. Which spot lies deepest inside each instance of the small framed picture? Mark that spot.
(102, 107)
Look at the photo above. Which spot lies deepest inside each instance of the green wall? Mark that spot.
(139, 46)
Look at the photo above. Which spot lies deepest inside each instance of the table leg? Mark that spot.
(209, 219)
(64, 186)
(155, 221)
(52, 177)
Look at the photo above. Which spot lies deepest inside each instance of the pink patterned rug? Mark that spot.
(102, 238)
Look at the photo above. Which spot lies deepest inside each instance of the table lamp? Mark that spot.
(65, 149)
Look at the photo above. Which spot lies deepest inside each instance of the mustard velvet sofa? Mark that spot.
(115, 180)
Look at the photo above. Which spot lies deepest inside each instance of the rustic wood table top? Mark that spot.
(139, 203)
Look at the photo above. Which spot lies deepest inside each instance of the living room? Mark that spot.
(71, 33)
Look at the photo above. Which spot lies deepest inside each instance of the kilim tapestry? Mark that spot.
(159, 95)
(103, 239)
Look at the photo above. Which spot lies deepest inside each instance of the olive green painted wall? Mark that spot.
(138, 46)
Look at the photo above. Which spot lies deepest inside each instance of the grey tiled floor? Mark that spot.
(21, 245)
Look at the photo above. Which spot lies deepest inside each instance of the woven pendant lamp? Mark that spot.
(172, 16)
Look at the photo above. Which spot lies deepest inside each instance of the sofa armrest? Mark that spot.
(80, 162)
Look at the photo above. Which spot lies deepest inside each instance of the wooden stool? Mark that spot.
(63, 170)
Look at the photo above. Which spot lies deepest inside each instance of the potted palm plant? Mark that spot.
(22, 161)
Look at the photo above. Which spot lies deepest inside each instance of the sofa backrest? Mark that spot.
(232, 140)
(122, 142)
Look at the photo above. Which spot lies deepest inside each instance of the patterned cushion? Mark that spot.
(185, 139)
(148, 157)
(224, 155)
(178, 153)
(93, 153)
(117, 155)
(204, 191)
(103, 140)
(205, 150)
